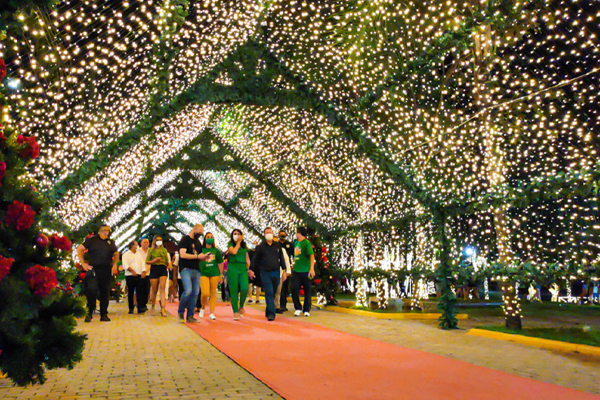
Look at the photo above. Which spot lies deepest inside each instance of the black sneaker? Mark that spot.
(181, 316)
(191, 320)
(271, 318)
(249, 301)
(88, 318)
(104, 318)
(280, 311)
(130, 311)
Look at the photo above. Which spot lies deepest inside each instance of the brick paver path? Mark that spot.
(144, 357)
(570, 370)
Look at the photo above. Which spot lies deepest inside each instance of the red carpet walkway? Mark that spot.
(304, 361)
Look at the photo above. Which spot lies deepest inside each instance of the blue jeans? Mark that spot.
(270, 282)
(191, 287)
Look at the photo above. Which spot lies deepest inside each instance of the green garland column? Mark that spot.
(447, 304)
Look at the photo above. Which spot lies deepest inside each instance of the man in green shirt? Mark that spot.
(303, 272)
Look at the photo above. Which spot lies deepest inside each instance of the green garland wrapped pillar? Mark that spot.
(443, 274)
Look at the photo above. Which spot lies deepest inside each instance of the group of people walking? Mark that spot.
(280, 266)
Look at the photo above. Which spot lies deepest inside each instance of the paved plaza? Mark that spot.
(148, 356)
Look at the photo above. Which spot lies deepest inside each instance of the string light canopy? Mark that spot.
(407, 127)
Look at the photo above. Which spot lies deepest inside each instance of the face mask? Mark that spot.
(197, 235)
(236, 238)
(282, 238)
(269, 236)
(210, 241)
(159, 243)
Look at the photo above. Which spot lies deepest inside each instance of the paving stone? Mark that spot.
(143, 357)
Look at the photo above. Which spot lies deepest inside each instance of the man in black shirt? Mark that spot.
(285, 285)
(102, 257)
(268, 259)
(190, 255)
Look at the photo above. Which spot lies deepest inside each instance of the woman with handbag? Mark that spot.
(160, 261)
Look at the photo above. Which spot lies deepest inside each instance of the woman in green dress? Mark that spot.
(159, 260)
(238, 271)
(211, 274)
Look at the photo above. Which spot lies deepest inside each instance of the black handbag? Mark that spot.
(90, 284)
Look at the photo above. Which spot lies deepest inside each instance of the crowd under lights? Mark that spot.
(470, 101)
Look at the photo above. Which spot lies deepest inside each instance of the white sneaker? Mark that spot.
(212, 316)
(201, 314)
(307, 314)
(297, 313)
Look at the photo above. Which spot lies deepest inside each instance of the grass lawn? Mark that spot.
(571, 335)
(541, 310)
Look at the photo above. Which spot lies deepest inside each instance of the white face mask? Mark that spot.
(159, 243)
(236, 238)
(269, 236)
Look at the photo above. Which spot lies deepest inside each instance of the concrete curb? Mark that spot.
(538, 342)
(412, 316)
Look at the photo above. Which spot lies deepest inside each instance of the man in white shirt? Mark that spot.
(142, 298)
(134, 267)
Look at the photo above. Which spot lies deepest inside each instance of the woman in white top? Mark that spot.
(134, 267)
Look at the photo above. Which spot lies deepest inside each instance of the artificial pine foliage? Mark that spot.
(37, 303)
(326, 280)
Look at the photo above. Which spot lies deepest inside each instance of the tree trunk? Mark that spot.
(496, 169)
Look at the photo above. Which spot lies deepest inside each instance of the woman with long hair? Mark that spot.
(211, 274)
(160, 263)
(238, 271)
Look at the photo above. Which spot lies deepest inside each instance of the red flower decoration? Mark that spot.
(41, 280)
(60, 242)
(5, 265)
(317, 281)
(82, 276)
(30, 149)
(42, 240)
(2, 69)
(19, 215)
(67, 288)
(2, 171)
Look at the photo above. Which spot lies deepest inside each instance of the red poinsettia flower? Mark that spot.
(317, 281)
(2, 171)
(5, 265)
(82, 276)
(19, 215)
(60, 242)
(41, 280)
(30, 148)
(2, 69)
